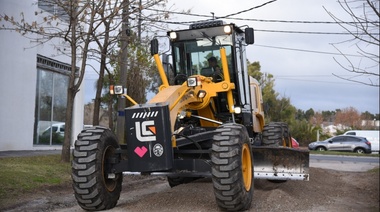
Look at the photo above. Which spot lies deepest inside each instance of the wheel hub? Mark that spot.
(110, 183)
(246, 167)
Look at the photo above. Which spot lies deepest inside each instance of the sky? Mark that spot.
(302, 64)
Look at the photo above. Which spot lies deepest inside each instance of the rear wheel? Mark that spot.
(276, 134)
(232, 168)
(359, 151)
(93, 189)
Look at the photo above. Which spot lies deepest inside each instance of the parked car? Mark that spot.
(56, 135)
(58, 128)
(345, 143)
(295, 143)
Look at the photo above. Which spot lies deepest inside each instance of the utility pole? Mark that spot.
(121, 103)
(317, 135)
(139, 24)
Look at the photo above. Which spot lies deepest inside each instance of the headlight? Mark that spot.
(193, 81)
(227, 29)
(116, 89)
(237, 110)
(201, 94)
(173, 35)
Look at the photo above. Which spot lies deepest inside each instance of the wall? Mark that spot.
(18, 78)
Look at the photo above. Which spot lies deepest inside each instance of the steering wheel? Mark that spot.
(180, 78)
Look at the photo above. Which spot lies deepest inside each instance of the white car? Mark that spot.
(371, 135)
(58, 128)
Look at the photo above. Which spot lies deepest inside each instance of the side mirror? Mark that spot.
(154, 47)
(249, 36)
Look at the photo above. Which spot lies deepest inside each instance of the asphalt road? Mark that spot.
(344, 163)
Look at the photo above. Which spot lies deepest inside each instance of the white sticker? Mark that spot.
(158, 150)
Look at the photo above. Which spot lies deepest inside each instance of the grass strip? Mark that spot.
(24, 174)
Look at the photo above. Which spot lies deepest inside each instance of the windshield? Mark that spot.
(192, 57)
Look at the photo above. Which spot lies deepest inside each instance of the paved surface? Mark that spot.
(346, 166)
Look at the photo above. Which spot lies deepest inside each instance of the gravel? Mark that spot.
(327, 190)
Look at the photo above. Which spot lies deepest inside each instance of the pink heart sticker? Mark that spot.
(141, 151)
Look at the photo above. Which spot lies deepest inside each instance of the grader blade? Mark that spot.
(280, 163)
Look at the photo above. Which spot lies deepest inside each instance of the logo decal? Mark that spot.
(143, 115)
(145, 131)
(141, 151)
(158, 150)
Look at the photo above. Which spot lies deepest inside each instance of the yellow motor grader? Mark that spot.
(206, 121)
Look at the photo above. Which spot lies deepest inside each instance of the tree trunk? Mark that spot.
(65, 155)
(71, 92)
(99, 84)
(110, 115)
(97, 102)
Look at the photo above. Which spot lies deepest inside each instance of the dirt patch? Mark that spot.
(327, 190)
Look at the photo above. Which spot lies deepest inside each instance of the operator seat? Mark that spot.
(207, 72)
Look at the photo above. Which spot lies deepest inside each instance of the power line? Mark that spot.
(211, 16)
(264, 30)
(257, 20)
(299, 22)
(243, 11)
(304, 50)
(312, 75)
(317, 81)
(314, 33)
(260, 20)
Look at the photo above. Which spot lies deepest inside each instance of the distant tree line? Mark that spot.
(305, 125)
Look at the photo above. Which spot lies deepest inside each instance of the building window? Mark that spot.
(55, 7)
(51, 99)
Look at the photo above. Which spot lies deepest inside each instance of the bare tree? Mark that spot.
(316, 119)
(349, 117)
(364, 29)
(108, 42)
(108, 12)
(77, 24)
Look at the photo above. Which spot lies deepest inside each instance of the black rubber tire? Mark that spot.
(93, 191)
(359, 151)
(274, 133)
(232, 168)
(257, 140)
(175, 181)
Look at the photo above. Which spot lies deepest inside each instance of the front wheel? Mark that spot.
(321, 149)
(93, 189)
(232, 168)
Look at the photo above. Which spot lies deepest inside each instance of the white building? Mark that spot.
(33, 85)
